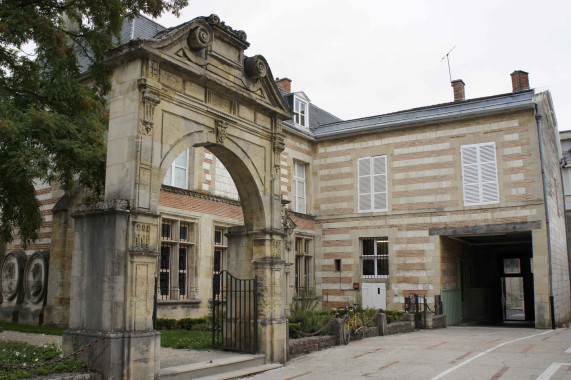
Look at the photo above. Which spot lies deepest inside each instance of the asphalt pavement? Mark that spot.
(452, 353)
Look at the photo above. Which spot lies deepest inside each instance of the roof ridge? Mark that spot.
(428, 107)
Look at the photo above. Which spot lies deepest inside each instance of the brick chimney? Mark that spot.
(458, 86)
(520, 81)
(284, 84)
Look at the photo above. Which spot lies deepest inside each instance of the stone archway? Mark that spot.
(188, 86)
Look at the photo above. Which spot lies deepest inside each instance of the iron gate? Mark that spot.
(234, 313)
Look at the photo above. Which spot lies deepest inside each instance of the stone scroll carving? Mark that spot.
(221, 131)
(255, 67)
(150, 100)
(199, 37)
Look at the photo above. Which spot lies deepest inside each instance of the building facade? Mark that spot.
(459, 201)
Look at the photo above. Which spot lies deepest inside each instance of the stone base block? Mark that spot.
(31, 314)
(119, 355)
(273, 339)
(9, 311)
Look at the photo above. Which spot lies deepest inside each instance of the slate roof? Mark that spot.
(317, 116)
(430, 114)
(139, 28)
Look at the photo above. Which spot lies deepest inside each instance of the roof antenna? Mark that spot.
(448, 60)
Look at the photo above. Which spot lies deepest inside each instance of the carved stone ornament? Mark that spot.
(36, 277)
(255, 67)
(11, 274)
(279, 145)
(276, 247)
(142, 235)
(199, 37)
(221, 133)
(150, 101)
(154, 70)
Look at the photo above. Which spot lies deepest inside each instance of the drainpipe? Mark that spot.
(547, 223)
(564, 165)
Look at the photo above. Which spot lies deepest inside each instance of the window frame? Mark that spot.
(300, 118)
(221, 246)
(304, 278)
(375, 257)
(177, 243)
(372, 192)
(479, 165)
(172, 169)
(299, 180)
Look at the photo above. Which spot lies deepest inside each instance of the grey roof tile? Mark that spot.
(140, 27)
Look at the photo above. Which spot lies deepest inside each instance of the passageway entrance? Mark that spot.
(488, 279)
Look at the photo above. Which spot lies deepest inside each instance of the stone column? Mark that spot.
(112, 289)
(272, 324)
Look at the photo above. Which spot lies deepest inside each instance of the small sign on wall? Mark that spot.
(512, 266)
(355, 285)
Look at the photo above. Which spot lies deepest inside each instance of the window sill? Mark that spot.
(179, 302)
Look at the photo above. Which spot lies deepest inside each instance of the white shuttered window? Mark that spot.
(372, 183)
(480, 174)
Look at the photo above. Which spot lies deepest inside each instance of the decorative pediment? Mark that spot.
(206, 47)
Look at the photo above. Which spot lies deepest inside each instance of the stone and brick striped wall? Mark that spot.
(48, 197)
(424, 192)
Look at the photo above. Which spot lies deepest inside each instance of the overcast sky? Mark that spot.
(360, 58)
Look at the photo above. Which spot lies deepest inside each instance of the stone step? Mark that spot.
(213, 367)
(250, 371)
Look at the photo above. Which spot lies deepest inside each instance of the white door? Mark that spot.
(374, 295)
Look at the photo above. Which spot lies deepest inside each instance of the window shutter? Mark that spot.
(364, 183)
(489, 173)
(479, 174)
(470, 175)
(379, 182)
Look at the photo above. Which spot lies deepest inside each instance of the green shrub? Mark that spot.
(166, 324)
(305, 318)
(393, 315)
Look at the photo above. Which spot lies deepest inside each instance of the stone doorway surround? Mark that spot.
(190, 85)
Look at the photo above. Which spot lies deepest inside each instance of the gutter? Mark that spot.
(538, 118)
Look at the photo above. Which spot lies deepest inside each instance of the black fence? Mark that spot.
(234, 313)
(417, 305)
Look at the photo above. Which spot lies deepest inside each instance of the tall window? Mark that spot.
(479, 174)
(299, 187)
(372, 183)
(375, 257)
(177, 249)
(300, 112)
(177, 174)
(303, 266)
(220, 248)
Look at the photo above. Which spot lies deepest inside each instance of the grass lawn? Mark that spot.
(194, 340)
(9, 326)
(19, 353)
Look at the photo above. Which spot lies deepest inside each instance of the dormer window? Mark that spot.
(300, 113)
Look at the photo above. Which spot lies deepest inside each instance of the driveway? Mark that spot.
(452, 353)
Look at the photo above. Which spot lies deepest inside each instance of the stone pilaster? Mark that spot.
(113, 283)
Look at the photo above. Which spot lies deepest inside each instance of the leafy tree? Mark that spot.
(52, 115)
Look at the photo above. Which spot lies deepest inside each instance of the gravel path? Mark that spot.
(170, 357)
